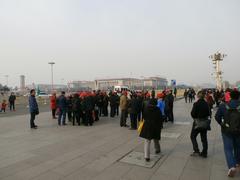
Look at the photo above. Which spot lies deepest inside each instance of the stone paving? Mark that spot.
(95, 153)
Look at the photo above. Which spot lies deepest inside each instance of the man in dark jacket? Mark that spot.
(77, 109)
(105, 104)
(113, 104)
(133, 110)
(62, 105)
(200, 110)
(12, 99)
(153, 123)
(231, 141)
(87, 110)
(33, 108)
(69, 107)
(169, 101)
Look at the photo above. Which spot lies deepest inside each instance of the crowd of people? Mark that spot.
(87, 107)
(227, 116)
(155, 109)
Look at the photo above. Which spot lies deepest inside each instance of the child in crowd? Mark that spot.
(4, 106)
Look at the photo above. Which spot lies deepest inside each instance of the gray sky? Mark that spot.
(91, 39)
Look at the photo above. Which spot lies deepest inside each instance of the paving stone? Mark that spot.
(137, 158)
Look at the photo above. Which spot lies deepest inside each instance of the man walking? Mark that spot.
(33, 108)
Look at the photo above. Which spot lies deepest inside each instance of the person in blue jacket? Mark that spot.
(62, 105)
(161, 103)
(33, 108)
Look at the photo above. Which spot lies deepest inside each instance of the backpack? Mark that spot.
(232, 120)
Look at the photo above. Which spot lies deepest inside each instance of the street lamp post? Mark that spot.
(217, 58)
(52, 63)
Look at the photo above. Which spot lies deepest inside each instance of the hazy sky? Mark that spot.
(91, 39)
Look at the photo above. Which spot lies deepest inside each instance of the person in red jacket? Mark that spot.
(53, 103)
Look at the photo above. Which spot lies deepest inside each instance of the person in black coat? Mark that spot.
(151, 130)
(113, 104)
(169, 101)
(12, 100)
(200, 110)
(69, 108)
(87, 111)
(77, 109)
(133, 111)
(105, 104)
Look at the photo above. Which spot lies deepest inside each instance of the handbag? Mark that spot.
(202, 124)
(141, 123)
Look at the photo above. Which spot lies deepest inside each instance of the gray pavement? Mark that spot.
(22, 109)
(85, 153)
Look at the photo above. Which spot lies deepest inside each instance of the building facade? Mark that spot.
(81, 85)
(132, 83)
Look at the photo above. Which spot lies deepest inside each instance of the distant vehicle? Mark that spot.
(43, 94)
(120, 89)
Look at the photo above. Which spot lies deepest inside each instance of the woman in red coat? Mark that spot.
(53, 103)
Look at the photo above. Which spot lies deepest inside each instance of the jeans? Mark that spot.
(62, 117)
(232, 149)
(147, 145)
(204, 140)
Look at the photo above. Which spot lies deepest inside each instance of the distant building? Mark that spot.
(22, 83)
(155, 82)
(47, 88)
(81, 85)
(105, 84)
(132, 83)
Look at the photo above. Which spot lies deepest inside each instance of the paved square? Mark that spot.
(170, 135)
(183, 123)
(94, 153)
(137, 158)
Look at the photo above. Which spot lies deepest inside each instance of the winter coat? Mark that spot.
(33, 105)
(200, 109)
(123, 102)
(53, 102)
(77, 106)
(12, 99)
(134, 106)
(62, 103)
(161, 106)
(153, 123)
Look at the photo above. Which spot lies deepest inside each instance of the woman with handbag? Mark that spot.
(200, 113)
(151, 129)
